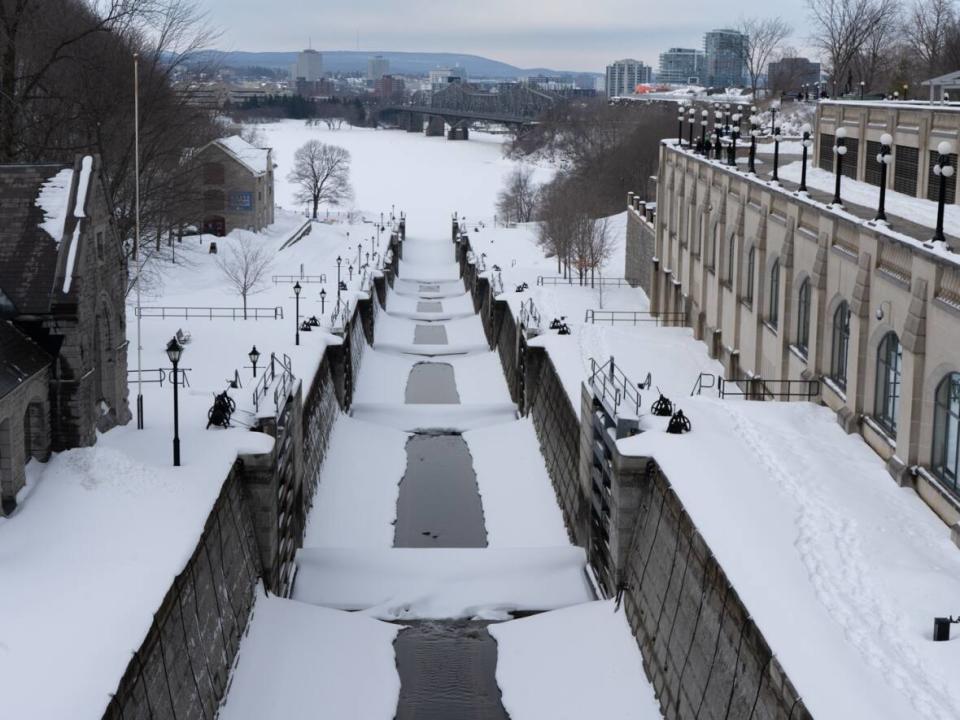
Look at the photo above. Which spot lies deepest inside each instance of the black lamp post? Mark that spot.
(884, 157)
(691, 117)
(174, 349)
(296, 295)
(774, 108)
(359, 250)
(718, 132)
(754, 131)
(839, 149)
(734, 134)
(863, 86)
(323, 300)
(680, 115)
(806, 142)
(254, 356)
(704, 114)
(776, 153)
(350, 271)
(339, 262)
(943, 170)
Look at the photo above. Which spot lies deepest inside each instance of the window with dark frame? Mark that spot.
(946, 431)
(731, 259)
(751, 262)
(803, 317)
(850, 159)
(773, 307)
(841, 345)
(886, 404)
(826, 152)
(873, 170)
(906, 170)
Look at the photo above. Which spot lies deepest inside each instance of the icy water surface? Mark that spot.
(448, 672)
(432, 383)
(439, 503)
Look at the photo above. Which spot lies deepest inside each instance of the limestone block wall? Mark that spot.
(181, 670)
(701, 649)
(641, 239)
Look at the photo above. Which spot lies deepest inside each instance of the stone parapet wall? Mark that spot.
(641, 238)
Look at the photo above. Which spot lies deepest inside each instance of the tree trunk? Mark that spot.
(316, 202)
(8, 107)
(244, 306)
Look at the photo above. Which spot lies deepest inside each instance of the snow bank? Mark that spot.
(519, 505)
(299, 662)
(442, 583)
(570, 664)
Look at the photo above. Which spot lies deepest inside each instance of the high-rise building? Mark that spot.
(388, 86)
(623, 76)
(377, 67)
(790, 74)
(726, 54)
(441, 77)
(309, 66)
(682, 66)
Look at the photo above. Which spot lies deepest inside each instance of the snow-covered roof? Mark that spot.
(949, 78)
(54, 199)
(255, 159)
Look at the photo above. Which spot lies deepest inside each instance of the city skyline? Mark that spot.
(568, 38)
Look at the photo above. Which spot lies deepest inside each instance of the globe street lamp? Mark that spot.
(943, 170)
(734, 134)
(691, 117)
(839, 149)
(704, 114)
(776, 153)
(863, 86)
(718, 133)
(174, 350)
(296, 295)
(754, 131)
(680, 115)
(254, 356)
(806, 142)
(884, 158)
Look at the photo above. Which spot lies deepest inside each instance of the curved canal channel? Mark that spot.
(434, 510)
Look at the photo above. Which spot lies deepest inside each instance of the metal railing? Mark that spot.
(322, 278)
(340, 315)
(605, 281)
(634, 317)
(613, 387)
(529, 315)
(211, 313)
(277, 367)
(757, 388)
(161, 375)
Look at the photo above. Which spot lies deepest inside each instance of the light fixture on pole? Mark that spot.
(776, 153)
(254, 355)
(734, 134)
(174, 350)
(681, 113)
(296, 295)
(692, 120)
(754, 131)
(884, 158)
(806, 143)
(774, 108)
(839, 150)
(718, 132)
(944, 171)
(863, 86)
(359, 250)
(339, 282)
(136, 235)
(323, 300)
(704, 114)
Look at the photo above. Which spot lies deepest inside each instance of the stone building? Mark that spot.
(916, 129)
(63, 367)
(783, 288)
(237, 186)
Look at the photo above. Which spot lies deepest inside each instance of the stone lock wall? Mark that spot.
(641, 240)
(182, 668)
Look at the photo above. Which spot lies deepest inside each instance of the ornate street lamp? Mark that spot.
(704, 114)
(839, 149)
(174, 350)
(691, 117)
(734, 134)
(943, 170)
(254, 356)
(776, 153)
(350, 271)
(681, 113)
(754, 131)
(339, 283)
(863, 86)
(774, 108)
(296, 296)
(718, 133)
(323, 300)
(884, 158)
(359, 250)
(806, 142)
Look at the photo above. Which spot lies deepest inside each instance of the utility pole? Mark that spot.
(136, 239)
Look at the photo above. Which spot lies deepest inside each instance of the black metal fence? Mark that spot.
(595, 282)
(757, 388)
(159, 375)
(322, 278)
(634, 317)
(612, 386)
(211, 313)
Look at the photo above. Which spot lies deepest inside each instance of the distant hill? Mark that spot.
(402, 63)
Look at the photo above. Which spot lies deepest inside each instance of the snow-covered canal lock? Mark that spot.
(435, 539)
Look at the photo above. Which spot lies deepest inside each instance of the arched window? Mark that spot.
(713, 246)
(748, 286)
(946, 430)
(841, 344)
(887, 400)
(773, 307)
(803, 317)
(731, 258)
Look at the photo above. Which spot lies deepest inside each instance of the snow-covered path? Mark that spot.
(431, 376)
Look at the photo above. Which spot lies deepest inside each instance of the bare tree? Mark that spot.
(840, 29)
(517, 201)
(927, 29)
(322, 173)
(764, 37)
(245, 266)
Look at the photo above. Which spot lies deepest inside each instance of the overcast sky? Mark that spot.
(559, 34)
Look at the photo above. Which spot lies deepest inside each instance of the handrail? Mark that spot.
(634, 317)
(270, 372)
(528, 313)
(613, 386)
(211, 313)
(163, 375)
(605, 281)
(757, 388)
(321, 278)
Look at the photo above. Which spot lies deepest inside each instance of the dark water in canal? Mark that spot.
(431, 382)
(439, 503)
(448, 672)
